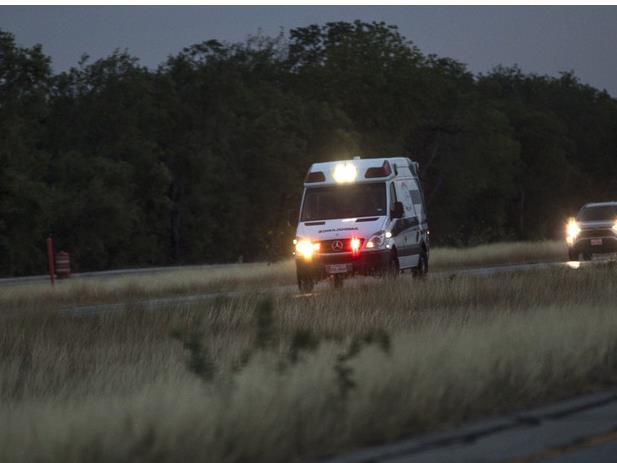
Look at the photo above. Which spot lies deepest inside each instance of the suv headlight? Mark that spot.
(378, 240)
(572, 231)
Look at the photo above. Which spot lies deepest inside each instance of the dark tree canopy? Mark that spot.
(200, 159)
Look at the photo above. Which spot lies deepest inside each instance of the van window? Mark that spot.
(344, 201)
(404, 195)
(392, 195)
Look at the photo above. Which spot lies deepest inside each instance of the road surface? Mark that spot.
(320, 289)
(175, 301)
(15, 281)
(581, 430)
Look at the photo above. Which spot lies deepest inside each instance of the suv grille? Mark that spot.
(597, 233)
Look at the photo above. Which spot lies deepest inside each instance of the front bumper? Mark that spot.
(366, 263)
(585, 246)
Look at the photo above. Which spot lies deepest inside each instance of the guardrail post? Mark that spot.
(50, 261)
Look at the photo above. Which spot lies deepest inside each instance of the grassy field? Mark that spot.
(498, 254)
(278, 378)
(81, 292)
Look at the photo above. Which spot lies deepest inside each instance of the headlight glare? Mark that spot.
(306, 248)
(572, 231)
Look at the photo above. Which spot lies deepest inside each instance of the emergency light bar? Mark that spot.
(314, 177)
(375, 172)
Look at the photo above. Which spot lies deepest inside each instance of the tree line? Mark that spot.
(200, 159)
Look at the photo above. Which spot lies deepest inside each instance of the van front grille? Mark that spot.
(336, 246)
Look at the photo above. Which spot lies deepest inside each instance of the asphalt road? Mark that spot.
(488, 270)
(320, 289)
(175, 301)
(581, 430)
(18, 281)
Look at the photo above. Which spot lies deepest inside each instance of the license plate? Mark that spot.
(596, 242)
(337, 268)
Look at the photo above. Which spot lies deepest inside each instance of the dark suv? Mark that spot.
(593, 231)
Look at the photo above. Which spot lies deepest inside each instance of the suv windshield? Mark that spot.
(344, 201)
(597, 213)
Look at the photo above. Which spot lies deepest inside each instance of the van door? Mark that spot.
(408, 229)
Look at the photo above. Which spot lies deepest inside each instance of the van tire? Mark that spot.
(393, 269)
(305, 285)
(572, 255)
(420, 270)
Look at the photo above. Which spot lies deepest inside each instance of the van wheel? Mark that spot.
(337, 281)
(393, 269)
(421, 269)
(305, 285)
(572, 255)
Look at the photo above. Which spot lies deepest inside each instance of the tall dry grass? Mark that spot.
(241, 277)
(244, 379)
(499, 254)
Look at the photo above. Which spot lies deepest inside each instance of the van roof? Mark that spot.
(397, 167)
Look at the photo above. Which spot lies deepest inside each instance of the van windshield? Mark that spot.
(589, 214)
(344, 201)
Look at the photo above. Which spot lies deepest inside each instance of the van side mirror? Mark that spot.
(292, 217)
(397, 210)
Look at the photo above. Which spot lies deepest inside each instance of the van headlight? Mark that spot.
(378, 240)
(572, 231)
(306, 248)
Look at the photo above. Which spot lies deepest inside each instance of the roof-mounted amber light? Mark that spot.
(375, 172)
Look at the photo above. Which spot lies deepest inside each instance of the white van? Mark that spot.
(361, 216)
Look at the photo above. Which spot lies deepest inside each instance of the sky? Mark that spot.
(542, 40)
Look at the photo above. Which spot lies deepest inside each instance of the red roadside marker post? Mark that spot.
(50, 261)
